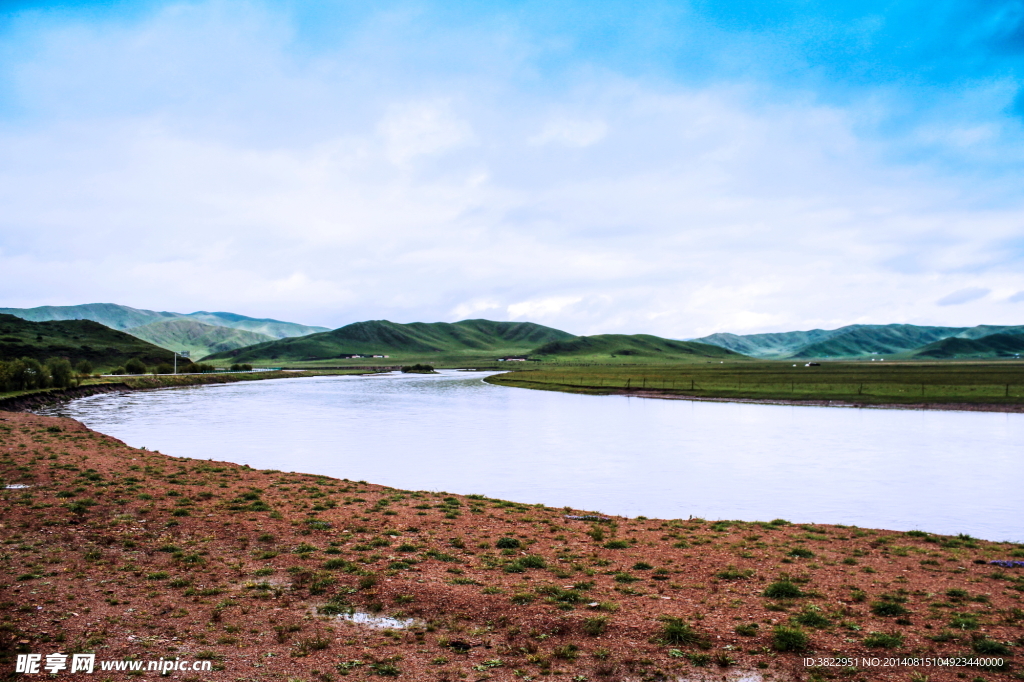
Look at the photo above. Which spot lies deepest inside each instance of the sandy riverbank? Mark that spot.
(127, 552)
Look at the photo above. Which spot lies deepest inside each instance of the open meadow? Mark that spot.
(868, 383)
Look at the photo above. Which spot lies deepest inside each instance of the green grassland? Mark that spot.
(75, 340)
(996, 383)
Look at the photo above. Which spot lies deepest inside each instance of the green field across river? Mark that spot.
(993, 383)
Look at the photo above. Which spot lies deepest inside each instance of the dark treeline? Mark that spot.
(26, 374)
(29, 374)
(136, 366)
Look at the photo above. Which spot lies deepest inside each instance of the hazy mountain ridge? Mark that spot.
(385, 337)
(769, 345)
(852, 341)
(112, 315)
(273, 328)
(138, 322)
(199, 339)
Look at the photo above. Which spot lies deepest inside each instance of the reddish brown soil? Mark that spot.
(131, 553)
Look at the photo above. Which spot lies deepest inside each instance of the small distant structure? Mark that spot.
(381, 356)
(513, 358)
(813, 364)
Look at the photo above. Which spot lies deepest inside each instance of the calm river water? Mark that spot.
(943, 472)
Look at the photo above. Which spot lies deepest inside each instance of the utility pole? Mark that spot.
(183, 354)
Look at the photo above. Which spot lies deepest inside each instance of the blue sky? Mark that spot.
(676, 168)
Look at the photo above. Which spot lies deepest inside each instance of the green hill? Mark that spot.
(109, 314)
(273, 328)
(867, 340)
(126, 318)
(858, 340)
(76, 340)
(631, 346)
(777, 345)
(197, 338)
(474, 338)
(992, 346)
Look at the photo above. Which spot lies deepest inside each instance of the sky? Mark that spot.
(671, 168)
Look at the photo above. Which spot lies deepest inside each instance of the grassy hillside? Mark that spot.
(992, 346)
(468, 338)
(197, 338)
(631, 347)
(853, 341)
(865, 340)
(272, 328)
(127, 318)
(777, 345)
(76, 340)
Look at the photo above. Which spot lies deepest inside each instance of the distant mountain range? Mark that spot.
(201, 332)
(236, 338)
(904, 341)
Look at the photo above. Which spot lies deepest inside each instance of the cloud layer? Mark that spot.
(326, 164)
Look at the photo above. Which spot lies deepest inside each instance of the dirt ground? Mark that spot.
(134, 555)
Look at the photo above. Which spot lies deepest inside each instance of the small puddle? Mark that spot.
(382, 622)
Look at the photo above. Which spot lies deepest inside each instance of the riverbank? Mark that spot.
(674, 395)
(978, 387)
(30, 400)
(131, 553)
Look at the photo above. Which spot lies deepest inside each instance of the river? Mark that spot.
(942, 472)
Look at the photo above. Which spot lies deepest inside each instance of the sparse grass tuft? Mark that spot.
(677, 632)
(884, 640)
(789, 639)
(782, 589)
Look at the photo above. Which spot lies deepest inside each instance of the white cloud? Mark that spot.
(421, 128)
(475, 308)
(541, 308)
(961, 296)
(571, 133)
(194, 161)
